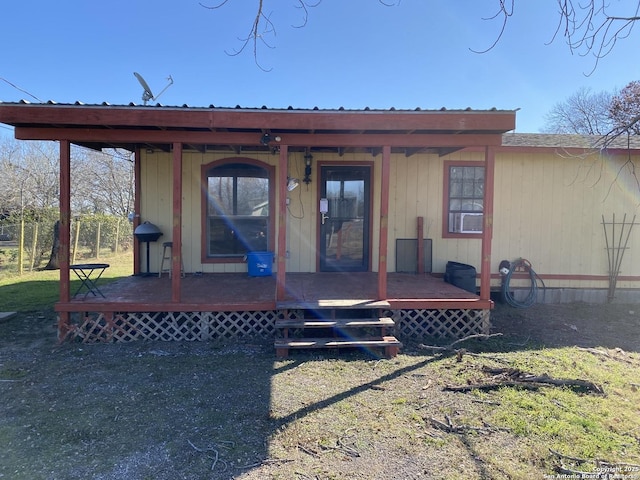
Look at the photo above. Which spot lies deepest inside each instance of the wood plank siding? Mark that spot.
(416, 190)
(547, 208)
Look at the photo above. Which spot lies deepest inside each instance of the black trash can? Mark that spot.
(461, 275)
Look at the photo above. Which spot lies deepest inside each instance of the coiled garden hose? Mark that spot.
(520, 265)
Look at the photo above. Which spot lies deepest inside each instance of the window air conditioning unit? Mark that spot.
(471, 222)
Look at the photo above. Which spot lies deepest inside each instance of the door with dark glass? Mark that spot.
(344, 218)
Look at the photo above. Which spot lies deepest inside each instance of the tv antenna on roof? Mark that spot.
(147, 94)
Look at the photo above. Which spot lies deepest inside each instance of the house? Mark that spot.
(362, 211)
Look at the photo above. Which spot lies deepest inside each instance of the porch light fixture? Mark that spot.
(266, 138)
(307, 168)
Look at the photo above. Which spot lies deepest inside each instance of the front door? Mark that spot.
(344, 227)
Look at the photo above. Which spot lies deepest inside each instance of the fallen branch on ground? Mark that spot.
(461, 351)
(216, 454)
(449, 348)
(512, 377)
(449, 427)
(604, 353)
(268, 461)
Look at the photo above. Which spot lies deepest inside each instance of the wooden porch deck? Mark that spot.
(238, 292)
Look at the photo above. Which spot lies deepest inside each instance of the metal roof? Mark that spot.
(208, 128)
(263, 107)
(240, 128)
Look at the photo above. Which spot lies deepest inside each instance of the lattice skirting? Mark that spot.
(419, 324)
(92, 327)
(95, 327)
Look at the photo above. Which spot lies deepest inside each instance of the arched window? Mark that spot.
(239, 206)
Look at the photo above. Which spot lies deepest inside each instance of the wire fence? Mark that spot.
(27, 246)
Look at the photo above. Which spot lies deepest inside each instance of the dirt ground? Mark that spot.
(585, 325)
(181, 410)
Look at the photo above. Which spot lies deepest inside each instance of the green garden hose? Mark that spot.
(521, 264)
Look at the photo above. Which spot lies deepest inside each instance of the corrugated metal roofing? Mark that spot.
(535, 140)
(263, 107)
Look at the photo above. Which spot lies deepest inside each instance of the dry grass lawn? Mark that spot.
(208, 411)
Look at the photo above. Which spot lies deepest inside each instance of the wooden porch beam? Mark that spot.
(137, 202)
(281, 253)
(425, 140)
(176, 249)
(220, 118)
(487, 230)
(384, 222)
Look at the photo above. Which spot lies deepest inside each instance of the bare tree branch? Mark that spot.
(262, 27)
(590, 29)
(505, 11)
(304, 6)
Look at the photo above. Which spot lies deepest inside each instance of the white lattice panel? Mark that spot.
(198, 326)
(418, 324)
(185, 326)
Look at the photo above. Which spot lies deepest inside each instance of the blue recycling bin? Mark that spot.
(259, 264)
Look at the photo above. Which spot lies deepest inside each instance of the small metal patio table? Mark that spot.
(84, 271)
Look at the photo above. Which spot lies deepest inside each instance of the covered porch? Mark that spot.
(218, 306)
(237, 291)
(177, 146)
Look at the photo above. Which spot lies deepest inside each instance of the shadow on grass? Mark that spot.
(144, 409)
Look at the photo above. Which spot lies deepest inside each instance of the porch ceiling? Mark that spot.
(241, 129)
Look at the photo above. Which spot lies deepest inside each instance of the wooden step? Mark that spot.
(333, 304)
(389, 343)
(383, 322)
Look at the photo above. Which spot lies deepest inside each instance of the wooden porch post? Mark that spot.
(137, 182)
(420, 228)
(281, 274)
(487, 230)
(65, 235)
(384, 222)
(176, 250)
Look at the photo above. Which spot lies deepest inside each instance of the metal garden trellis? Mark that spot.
(616, 246)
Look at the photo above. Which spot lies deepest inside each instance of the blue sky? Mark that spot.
(351, 53)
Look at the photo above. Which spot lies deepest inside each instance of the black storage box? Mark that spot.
(461, 275)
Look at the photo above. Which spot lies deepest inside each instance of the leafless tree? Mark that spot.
(30, 171)
(624, 115)
(585, 113)
(588, 27)
(102, 182)
(595, 26)
(262, 27)
(625, 109)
